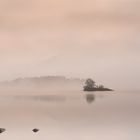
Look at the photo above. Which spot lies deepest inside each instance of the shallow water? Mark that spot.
(71, 116)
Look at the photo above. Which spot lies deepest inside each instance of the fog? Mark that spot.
(97, 39)
(41, 85)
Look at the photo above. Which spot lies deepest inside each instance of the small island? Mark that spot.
(91, 86)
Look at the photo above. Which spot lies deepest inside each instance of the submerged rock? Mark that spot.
(35, 130)
(2, 130)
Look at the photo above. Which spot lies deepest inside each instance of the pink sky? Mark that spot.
(88, 38)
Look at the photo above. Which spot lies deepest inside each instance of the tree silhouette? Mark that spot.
(89, 84)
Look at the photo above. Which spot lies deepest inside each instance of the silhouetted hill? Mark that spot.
(42, 83)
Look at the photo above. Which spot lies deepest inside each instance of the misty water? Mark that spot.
(70, 115)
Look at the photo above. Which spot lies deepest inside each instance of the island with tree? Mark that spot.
(90, 85)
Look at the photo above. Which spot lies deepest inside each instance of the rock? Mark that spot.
(2, 130)
(35, 130)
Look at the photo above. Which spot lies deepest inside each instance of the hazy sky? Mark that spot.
(79, 38)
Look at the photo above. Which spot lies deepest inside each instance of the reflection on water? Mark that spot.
(49, 98)
(90, 98)
(66, 116)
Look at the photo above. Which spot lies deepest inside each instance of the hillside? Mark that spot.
(43, 83)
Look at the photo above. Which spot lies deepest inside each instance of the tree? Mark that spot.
(101, 87)
(89, 84)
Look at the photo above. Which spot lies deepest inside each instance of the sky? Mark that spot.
(78, 38)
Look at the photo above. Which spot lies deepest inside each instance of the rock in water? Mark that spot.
(35, 130)
(2, 130)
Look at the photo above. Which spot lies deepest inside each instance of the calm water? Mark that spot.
(71, 116)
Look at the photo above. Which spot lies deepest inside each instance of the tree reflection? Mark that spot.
(90, 98)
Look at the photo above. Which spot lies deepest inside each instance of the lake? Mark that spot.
(71, 115)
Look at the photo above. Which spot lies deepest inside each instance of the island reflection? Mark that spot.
(90, 98)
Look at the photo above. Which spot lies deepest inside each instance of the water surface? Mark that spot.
(75, 115)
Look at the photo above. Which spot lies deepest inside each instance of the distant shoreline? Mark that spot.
(98, 89)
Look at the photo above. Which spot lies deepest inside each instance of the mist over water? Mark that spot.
(98, 39)
(71, 115)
